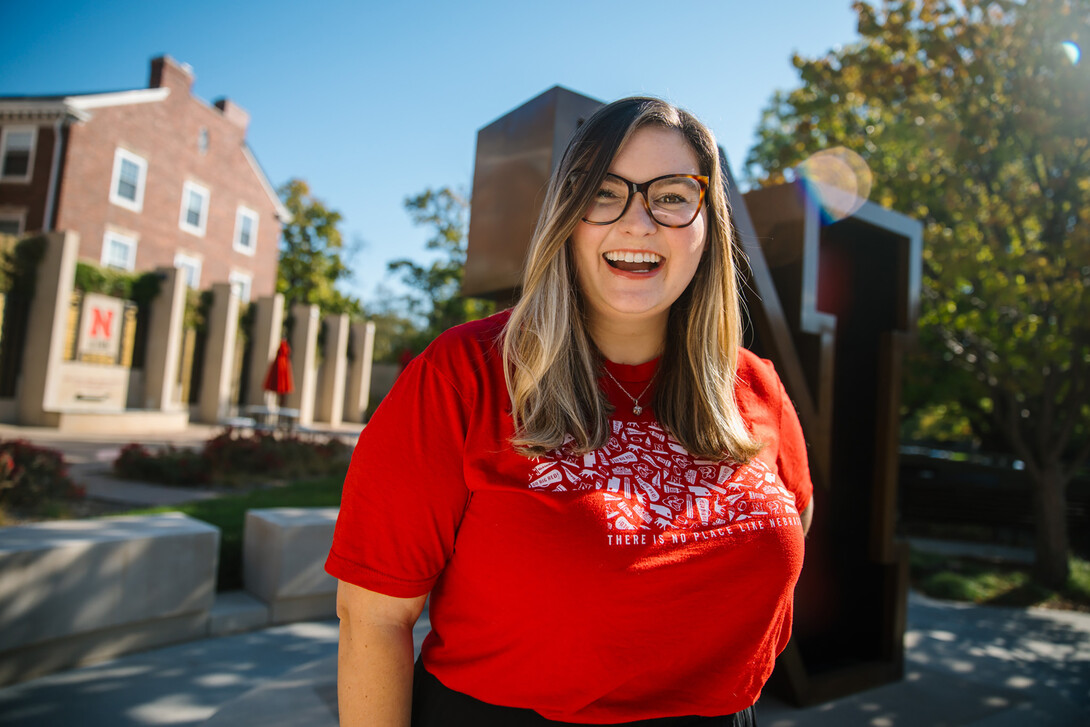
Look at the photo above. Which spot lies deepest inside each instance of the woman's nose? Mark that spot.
(637, 218)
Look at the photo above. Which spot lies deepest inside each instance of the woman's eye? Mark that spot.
(671, 199)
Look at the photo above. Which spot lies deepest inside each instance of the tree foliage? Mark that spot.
(973, 117)
(312, 253)
(437, 300)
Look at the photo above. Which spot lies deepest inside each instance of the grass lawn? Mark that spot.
(982, 582)
(228, 513)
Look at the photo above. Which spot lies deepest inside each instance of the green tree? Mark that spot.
(437, 299)
(973, 117)
(312, 253)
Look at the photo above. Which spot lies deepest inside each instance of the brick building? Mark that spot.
(148, 178)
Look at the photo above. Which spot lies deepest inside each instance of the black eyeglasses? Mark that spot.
(673, 200)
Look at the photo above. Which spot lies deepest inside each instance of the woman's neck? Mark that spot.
(629, 343)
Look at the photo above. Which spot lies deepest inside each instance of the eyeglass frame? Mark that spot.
(643, 187)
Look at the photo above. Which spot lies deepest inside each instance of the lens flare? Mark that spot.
(1072, 51)
(839, 179)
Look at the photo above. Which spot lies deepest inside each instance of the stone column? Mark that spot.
(167, 319)
(46, 326)
(304, 344)
(329, 406)
(219, 354)
(265, 338)
(357, 393)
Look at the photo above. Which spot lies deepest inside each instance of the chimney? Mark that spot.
(233, 113)
(169, 73)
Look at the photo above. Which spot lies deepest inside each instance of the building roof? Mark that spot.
(77, 107)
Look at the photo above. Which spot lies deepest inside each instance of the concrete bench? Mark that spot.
(79, 591)
(283, 561)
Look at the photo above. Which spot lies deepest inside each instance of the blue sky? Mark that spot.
(372, 102)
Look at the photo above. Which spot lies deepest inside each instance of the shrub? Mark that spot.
(33, 478)
(233, 455)
(236, 458)
(171, 466)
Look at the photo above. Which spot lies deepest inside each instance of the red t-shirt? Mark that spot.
(632, 582)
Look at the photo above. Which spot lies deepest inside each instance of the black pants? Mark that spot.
(434, 705)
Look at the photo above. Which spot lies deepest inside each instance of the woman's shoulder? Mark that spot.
(475, 341)
(756, 373)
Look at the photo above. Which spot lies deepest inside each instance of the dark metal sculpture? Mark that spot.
(515, 157)
(833, 304)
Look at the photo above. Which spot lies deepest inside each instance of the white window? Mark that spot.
(240, 284)
(127, 185)
(246, 230)
(12, 223)
(118, 251)
(190, 267)
(194, 217)
(17, 153)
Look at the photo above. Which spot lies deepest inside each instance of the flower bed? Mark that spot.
(236, 458)
(34, 481)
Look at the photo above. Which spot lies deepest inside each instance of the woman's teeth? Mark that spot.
(633, 257)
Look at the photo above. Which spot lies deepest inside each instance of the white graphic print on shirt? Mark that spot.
(651, 484)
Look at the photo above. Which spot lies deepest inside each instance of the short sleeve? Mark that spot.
(791, 458)
(405, 491)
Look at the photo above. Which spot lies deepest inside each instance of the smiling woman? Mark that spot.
(595, 467)
(627, 297)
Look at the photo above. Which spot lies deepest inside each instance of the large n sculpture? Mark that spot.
(833, 303)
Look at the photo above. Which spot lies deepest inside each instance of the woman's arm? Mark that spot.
(807, 516)
(375, 656)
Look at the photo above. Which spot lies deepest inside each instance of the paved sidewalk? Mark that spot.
(965, 666)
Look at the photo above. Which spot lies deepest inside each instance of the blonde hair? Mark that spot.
(551, 364)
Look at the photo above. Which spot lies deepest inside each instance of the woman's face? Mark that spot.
(618, 293)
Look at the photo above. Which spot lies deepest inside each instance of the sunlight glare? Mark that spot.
(839, 179)
(1072, 51)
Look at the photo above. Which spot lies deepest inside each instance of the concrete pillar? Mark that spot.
(264, 340)
(329, 406)
(357, 394)
(304, 345)
(46, 326)
(219, 354)
(167, 319)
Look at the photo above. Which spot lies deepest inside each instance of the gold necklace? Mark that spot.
(636, 408)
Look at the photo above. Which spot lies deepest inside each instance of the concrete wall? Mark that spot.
(78, 591)
(219, 355)
(284, 552)
(304, 346)
(50, 394)
(329, 403)
(44, 345)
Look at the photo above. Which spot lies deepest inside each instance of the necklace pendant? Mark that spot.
(637, 410)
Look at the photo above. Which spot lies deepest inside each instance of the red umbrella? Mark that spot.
(279, 380)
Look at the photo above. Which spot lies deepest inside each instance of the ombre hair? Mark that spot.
(551, 363)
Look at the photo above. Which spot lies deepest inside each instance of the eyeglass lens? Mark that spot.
(673, 201)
